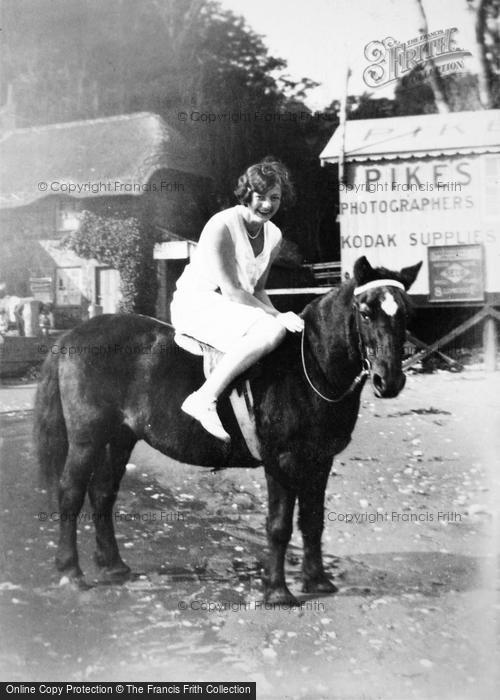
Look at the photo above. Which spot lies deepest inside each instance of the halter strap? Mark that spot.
(364, 372)
(378, 283)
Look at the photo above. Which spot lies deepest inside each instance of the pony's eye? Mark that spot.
(364, 311)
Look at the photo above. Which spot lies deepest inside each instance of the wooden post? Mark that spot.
(490, 344)
(342, 126)
(95, 310)
(162, 307)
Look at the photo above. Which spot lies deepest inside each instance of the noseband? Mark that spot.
(365, 362)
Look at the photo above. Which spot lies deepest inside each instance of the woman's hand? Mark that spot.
(291, 321)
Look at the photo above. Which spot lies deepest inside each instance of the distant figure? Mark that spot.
(46, 319)
(4, 322)
(18, 316)
(13, 307)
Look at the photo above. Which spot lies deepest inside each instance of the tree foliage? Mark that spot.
(127, 246)
(487, 23)
(414, 94)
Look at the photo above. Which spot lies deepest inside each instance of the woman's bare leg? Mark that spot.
(260, 339)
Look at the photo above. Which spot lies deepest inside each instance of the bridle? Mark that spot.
(365, 362)
(363, 374)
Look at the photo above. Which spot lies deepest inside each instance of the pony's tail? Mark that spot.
(50, 437)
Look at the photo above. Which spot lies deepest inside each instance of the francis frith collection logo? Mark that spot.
(391, 59)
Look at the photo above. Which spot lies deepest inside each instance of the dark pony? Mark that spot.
(120, 378)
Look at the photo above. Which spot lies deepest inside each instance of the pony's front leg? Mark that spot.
(311, 523)
(279, 527)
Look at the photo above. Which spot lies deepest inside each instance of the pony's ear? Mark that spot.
(363, 272)
(408, 275)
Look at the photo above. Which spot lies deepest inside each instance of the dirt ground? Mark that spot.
(411, 539)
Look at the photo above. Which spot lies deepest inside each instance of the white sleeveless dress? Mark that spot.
(198, 308)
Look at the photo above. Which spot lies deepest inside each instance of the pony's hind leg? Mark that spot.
(81, 460)
(103, 490)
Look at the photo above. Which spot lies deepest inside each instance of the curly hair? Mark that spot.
(261, 177)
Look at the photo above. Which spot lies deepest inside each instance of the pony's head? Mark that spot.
(382, 308)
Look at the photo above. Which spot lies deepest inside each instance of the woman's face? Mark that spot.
(264, 206)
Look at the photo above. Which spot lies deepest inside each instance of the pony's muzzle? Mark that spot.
(387, 389)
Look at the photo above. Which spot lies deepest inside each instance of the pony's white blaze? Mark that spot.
(389, 305)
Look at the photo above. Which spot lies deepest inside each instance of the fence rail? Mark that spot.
(327, 273)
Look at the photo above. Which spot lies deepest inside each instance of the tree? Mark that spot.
(365, 106)
(487, 25)
(435, 80)
(414, 94)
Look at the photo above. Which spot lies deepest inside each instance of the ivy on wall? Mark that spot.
(125, 245)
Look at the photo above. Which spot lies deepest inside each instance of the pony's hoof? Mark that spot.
(280, 596)
(68, 570)
(116, 573)
(77, 583)
(319, 585)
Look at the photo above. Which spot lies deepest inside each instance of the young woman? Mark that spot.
(220, 297)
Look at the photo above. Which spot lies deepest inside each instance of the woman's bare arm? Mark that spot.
(290, 320)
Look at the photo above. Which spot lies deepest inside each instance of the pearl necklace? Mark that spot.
(256, 235)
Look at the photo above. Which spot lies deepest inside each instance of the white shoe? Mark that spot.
(206, 413)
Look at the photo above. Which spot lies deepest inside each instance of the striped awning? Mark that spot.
(416, 136)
